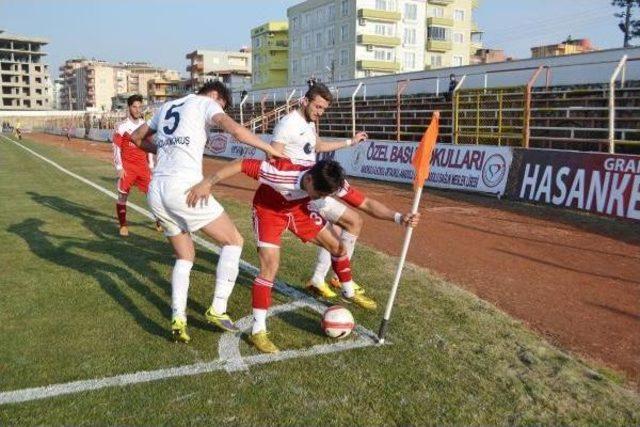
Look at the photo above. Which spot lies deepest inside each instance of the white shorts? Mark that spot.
(168, 202)
(328, 207)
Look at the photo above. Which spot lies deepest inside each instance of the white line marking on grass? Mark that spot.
(229, 345)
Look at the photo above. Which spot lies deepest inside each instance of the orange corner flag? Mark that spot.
(422, 158)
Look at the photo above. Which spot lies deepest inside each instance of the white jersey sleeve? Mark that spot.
(155, 120)
(212, 108)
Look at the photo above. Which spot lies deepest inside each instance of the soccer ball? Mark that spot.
(337, 322)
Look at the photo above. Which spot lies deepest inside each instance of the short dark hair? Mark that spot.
(328, 176)
(133, 98)
(218, 86)
(321, 90)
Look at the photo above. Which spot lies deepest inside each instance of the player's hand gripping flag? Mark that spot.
(422, 164)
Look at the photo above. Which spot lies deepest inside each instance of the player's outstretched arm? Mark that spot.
(379, 210)
(242, 134)
(325, 146)
(200, 192)
(140, 137)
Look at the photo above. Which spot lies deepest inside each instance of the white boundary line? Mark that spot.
(230, 358)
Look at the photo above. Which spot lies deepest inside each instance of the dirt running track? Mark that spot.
(574, 278)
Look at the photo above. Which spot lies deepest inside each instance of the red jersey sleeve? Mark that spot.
(251, 167)
(352, 196)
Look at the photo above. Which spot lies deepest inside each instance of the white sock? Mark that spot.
(323, 260)
(259, 320)
(226, 275)
(347, 289)
(323, 264)
(180, 288)
(349, 242)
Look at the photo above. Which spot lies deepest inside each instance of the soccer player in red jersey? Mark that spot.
(132, 163)
(281, 202)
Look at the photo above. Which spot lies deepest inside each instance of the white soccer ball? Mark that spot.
(337, 322)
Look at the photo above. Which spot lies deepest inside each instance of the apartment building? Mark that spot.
(567, 47)
(206, 65)
(25, 83)
(270, 51)
(164, 89)
(94, 85)
(452, 36)
(345, 39)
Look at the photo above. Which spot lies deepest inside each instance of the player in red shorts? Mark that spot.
(132, 163)
(282, 202)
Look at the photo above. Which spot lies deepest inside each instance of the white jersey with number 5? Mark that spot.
(181, 135)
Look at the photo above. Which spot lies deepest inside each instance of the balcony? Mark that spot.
(278, 65)
(439, 45)
(387, 66)
(440, 22)
(442, 2)
(196, 67)
(378, 40)
(379, 15)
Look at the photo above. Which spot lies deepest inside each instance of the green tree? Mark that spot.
(629, 26)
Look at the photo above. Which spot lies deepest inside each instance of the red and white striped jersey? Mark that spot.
(125, 152)
(284, 177)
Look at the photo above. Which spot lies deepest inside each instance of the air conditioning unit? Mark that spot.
(369, 48)
(362, 22)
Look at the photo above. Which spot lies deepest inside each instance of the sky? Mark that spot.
(162, 32)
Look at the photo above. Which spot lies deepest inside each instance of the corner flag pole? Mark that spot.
(421, 163)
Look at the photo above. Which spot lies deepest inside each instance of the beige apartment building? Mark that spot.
(25, 83)
(346, 39)
(93, 85)
(567, 47)
(234, 68)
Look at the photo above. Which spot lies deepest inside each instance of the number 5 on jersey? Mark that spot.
(172, 113)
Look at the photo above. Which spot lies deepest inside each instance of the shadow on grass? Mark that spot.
(137, 253)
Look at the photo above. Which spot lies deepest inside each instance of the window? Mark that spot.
(438, 12)
(331, 36)
(318, 40)
(306, 42)
(383, 54)
(458, 15)
(436, 61)
(384, 30)
(411, 11)
(457, 61)
(344, 8)
(458, 38)
(344, 57)
(294, 66)
(318, 62)
(344, 32)
(409, 36)
(332, 12)
(409, 60)
(438, 33)
(381, 4)
(294, 23)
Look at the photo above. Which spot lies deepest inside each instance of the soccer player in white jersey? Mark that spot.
(181, 134)
(295, 136)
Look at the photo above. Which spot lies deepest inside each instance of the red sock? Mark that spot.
(261, 293)
(342, 267)
(121, 210)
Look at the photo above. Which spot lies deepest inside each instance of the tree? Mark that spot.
(629, 26)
